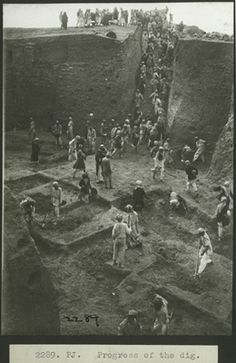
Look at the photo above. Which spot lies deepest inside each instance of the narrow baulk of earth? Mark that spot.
(64, 269)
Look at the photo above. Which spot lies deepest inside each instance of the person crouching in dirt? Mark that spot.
(222, 216)
(161, 316)
(205, 252)
(79, 164)
(106, 171)
(119, 233)
(130, 325)
(133, 240)
(138, 196)
(192, 174)
(28, 206)
(159, 163)
(56, 198)
(85, 188)
(177, 203)
(100, 154)
(200, 152)
(35, 151)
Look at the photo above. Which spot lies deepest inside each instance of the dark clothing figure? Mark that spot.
(80, 144)
(138, 198)
(221, 215)
(85, 185)
(28, 205)
(161, 127)
(85, 188)
(64, 20)
(80, 164)
(141, 84)
(154, 150)
(224, 193)
(118, 142)
(115, 14)
(135, 138)
(57, 132)
(144, 58)
(35, 150)
(130, 327)
(106, 171)
(100, 154)
(191, 172)
(187, 154)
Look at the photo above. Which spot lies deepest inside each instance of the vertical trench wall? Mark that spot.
(54, 77)
(201, 90)
(29, 299)
(221, 167)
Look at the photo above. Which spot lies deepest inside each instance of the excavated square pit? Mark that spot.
(42, 196)
(26, 183)
(70, 220)
(77, 220)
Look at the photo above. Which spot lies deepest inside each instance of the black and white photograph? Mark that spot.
(118, 123)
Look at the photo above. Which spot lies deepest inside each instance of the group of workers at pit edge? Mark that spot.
(137, 130)
(121, 17)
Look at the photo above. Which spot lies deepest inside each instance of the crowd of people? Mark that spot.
(119, 17)
(149, 131)
(122, 17)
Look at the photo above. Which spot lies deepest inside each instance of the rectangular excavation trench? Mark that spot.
(86, 283)
(158, 217)
(77, 220)
(28, 182)
(86, 286)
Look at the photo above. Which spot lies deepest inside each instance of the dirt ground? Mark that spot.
(77, 252)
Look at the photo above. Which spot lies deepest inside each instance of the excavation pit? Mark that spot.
(79, 225)
(184, 313)
(84, 286)
(26, 183)
(77, 248)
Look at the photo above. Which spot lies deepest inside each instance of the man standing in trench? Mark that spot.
(56, 198)
(200, 152)
(119, 233)
(161, 316)
(130, 325)
(106, 171)
(205, 252)
(57, 131)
